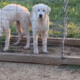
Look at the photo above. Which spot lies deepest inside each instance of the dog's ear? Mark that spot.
(34, 8)
(48, 10)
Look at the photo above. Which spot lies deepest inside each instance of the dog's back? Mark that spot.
(14, 7)
(15, 12)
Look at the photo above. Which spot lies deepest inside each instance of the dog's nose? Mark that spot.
(40, 15)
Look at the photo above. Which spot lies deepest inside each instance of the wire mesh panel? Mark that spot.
(64, 23)
(55, 30)
(73, 28)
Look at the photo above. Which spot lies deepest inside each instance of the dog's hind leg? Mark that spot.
(25, 28)
(20, 32)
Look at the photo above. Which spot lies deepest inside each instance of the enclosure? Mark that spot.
(64, 33)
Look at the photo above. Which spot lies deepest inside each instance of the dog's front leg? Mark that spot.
(7, 40)
(44, 42)
(35, 43)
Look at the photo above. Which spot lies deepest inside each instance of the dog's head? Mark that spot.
(41, 10)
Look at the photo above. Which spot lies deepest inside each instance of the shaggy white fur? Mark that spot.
(14, 13)
(40, 25)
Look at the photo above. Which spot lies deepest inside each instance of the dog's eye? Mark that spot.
(38, 10)
(43, 10)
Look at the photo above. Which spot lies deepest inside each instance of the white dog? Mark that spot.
(14, 13)
(40, 25)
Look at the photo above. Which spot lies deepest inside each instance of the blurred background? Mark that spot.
(56, 15)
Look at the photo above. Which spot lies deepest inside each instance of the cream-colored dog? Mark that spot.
(40, 25)
(14, 13)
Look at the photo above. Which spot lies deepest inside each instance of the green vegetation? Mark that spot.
(73, 67)
(69, 67)
(2, 40)
(56, 15)
(73, 30)
(13, 49)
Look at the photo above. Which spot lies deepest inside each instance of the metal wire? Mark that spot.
(1, 27)
(65, 21)
(65, 26)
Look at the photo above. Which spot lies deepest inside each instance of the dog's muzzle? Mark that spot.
(40, 16)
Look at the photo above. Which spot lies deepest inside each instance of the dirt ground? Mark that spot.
(21, 71)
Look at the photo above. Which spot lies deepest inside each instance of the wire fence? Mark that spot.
(64, 23)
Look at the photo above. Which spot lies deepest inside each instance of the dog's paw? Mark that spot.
(14, 44)
(45, 51)
(26, 47)
(5, 49)
(35, 52)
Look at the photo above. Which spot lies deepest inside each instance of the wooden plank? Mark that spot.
(72, 60)
(39, 59)
(72, 42)
(29, 58)
(51, 41)
(43, 58)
